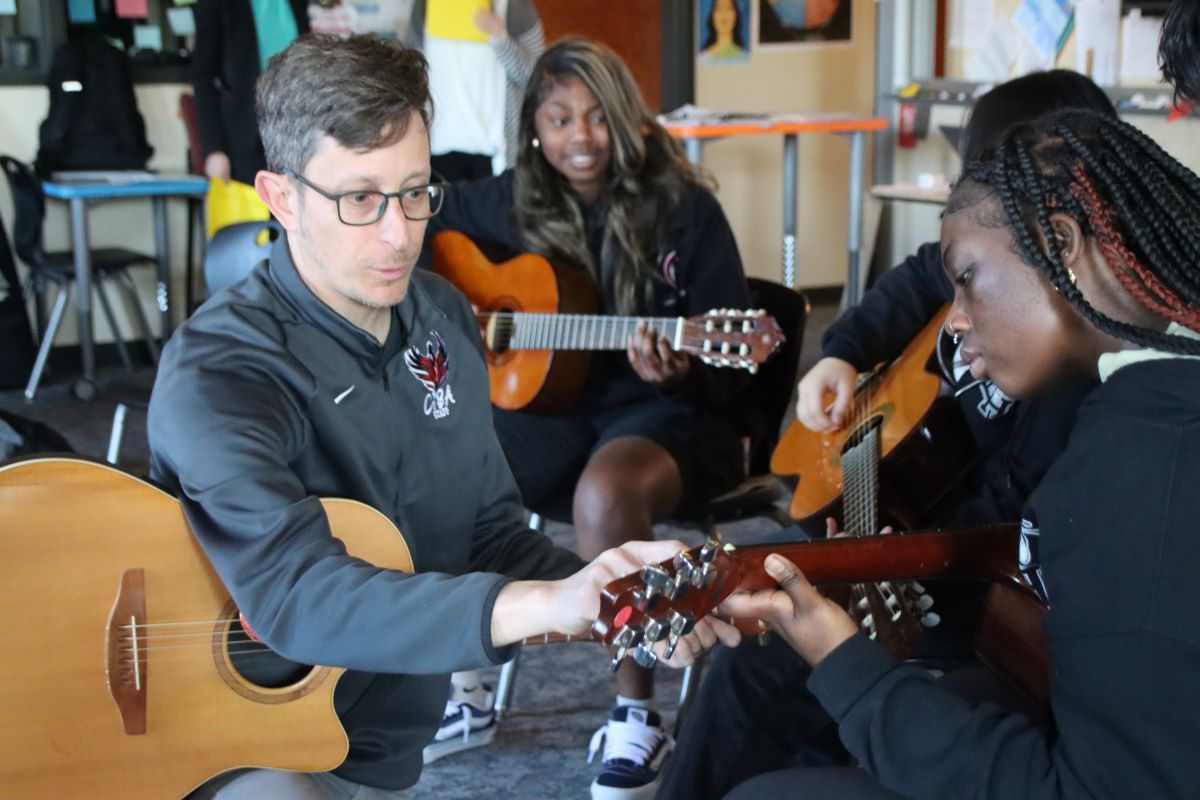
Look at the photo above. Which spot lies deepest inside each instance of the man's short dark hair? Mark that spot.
(361, 91)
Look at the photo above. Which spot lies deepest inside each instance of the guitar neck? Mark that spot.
(558, 638)
(983, 554)
(529, 331)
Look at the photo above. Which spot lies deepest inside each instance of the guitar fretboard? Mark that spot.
(527, 331)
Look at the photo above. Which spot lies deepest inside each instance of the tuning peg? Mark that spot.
(625, 638)
(681, 625)
(708, 552)
(654, 580)
(916, 587)
(924, 602)
(644, 656)
(703, 575)
(683, 567)
(868, 623)
(931, 619)
(677, 588)
(653, 630)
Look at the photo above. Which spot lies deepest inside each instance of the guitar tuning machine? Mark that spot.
(654, 579)
(626, 638)
(653, 631)
(644, 656)
(680, 625)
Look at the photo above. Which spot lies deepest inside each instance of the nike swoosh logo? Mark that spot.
(338, 400)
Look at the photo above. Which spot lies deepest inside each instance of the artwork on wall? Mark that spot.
(723, 31)
(790, 22)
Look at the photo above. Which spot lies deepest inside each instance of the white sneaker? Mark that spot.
(469, 721)
(635, 746)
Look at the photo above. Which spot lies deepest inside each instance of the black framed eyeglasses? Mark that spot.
(366, 206)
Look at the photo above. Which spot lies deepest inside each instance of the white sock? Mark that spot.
(636, 702)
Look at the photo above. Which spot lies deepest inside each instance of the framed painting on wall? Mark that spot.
(723, 31)
(784, 22)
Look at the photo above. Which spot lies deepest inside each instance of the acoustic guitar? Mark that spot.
(126, 671)
(902, 447)
(539, 325)
(664, 601)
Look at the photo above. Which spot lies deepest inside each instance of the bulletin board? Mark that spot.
(993, 40)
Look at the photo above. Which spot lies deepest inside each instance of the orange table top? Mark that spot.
(750, 125)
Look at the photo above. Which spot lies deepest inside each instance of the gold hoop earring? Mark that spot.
(955, 336)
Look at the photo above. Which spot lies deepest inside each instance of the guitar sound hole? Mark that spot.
(502, 330)
(867, 427)
(258, 664)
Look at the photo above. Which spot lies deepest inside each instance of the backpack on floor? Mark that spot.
(93, 122)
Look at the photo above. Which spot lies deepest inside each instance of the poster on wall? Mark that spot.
(723, 31)
(789, 22)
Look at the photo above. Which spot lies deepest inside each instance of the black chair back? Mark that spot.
(29, 206)
(237, 249)
(763, 404)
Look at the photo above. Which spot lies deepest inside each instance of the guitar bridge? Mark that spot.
(126, 665)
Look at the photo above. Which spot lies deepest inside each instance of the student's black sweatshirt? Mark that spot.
(1111, 537)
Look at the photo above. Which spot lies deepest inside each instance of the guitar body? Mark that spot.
(77, 536)
(534, 380)
(925, 444)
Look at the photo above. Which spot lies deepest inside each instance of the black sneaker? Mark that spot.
(635, 746)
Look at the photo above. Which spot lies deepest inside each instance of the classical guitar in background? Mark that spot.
(903, 445)
(539, 325)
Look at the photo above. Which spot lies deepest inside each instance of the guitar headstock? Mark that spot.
(664, 601)
(732, 337)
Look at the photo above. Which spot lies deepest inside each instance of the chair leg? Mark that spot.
(106, 304)
(118, 431)
(139, 315)
(504, 686)
(39, 364)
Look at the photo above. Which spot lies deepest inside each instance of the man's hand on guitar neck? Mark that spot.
(655, 362)
(525, 609)
(829, 376)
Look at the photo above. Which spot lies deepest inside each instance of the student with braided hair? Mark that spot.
(1074, 249)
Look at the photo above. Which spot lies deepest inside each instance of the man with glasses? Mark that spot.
(336, 370)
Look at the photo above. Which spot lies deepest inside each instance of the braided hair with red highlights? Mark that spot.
(1139, 204)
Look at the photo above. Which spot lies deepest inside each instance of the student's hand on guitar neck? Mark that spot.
(530, 608)
(828, 376)
(655, 362)
(807, 620)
